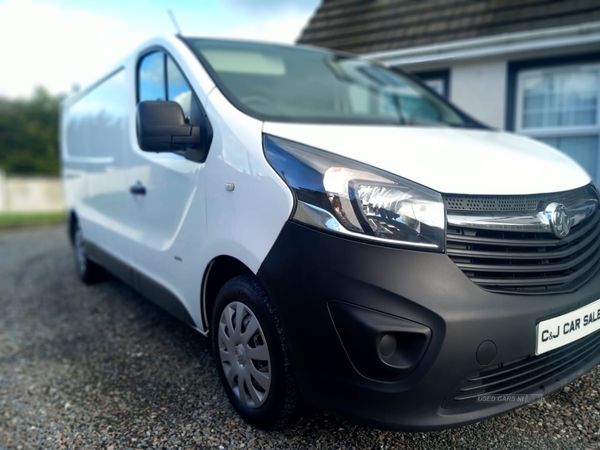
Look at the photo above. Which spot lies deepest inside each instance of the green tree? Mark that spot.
(29, 134)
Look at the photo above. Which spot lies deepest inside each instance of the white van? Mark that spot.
(345, 236)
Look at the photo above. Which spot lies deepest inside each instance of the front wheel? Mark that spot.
(252, 355)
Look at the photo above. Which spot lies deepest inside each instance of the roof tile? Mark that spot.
(376, 25)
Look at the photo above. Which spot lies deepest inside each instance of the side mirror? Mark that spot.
(161, 127)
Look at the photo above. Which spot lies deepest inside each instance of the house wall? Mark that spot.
(30, 194)
(479, 85)
(479, 88)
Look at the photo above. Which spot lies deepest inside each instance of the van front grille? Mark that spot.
(522, 203)
(526, 262)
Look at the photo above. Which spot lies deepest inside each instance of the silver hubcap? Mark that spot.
(244, 354)
(80, 250)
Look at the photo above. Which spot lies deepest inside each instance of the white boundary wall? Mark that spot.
(30, 194)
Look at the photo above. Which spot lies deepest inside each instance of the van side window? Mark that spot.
(178, 89)
(151, 77)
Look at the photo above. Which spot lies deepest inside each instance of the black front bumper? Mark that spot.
(447, 330)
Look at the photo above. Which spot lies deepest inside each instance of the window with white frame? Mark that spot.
(561, 107)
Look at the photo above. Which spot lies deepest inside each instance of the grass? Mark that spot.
(15, 220)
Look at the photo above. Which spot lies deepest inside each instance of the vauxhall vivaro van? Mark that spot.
(345, 236)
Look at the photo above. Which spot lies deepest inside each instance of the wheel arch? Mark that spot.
(218, 272)
(72, 221)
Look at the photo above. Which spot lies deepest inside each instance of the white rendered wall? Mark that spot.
(30, 194)
(479, 88)
(3, 196)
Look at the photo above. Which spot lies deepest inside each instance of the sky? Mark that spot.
(61, 43)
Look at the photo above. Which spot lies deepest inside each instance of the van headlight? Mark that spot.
(356, 200)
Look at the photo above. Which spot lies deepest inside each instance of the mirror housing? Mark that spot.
(161, 127)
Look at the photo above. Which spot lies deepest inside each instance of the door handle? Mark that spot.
(138, 189)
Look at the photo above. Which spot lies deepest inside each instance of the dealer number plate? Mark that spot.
(562, 330)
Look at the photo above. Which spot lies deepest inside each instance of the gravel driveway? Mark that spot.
(100, 367)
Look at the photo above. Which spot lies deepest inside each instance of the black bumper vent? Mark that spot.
(525, 375)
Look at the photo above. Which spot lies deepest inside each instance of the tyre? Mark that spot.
(88, 271)
(252, 355)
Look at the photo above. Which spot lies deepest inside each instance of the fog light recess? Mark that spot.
(387, 345)
(380, 346)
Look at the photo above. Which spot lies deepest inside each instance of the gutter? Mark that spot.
(549, 38)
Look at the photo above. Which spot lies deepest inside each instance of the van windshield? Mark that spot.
(294, 84)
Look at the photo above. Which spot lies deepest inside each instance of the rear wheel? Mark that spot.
(88, 271)
(252, 355)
